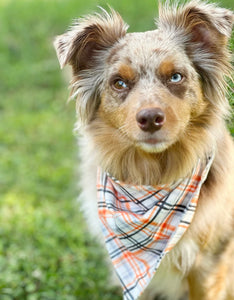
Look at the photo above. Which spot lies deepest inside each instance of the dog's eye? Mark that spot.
(120, 85)
(175, 78)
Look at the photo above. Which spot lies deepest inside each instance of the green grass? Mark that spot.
(45, 249)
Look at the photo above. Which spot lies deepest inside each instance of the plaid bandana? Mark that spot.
(142, 223)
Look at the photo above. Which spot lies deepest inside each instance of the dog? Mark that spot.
(151, 109)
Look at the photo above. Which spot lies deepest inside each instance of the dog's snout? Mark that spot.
(150, 119)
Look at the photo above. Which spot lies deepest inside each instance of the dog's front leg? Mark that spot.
(210, 288)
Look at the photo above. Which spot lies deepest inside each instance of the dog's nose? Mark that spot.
(150, 119)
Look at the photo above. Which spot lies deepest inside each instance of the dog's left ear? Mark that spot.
(204, 24)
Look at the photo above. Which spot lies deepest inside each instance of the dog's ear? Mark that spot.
(85, 47)
(86, 37)
(205, 24)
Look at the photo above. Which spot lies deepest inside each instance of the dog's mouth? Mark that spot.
(153, 145)
(151, 141)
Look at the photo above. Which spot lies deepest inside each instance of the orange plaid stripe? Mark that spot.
(142, 223)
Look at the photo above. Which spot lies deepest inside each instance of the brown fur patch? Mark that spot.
(178, 89)
(166, 68)
(126, 72)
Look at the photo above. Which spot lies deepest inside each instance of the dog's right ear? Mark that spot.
(79, 46)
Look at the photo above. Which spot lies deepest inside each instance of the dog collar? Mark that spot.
(142, 223)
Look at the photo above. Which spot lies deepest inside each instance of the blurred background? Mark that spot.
(45, 250)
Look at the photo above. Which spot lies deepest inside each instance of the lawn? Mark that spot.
(45, 250)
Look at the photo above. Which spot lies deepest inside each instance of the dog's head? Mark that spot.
(153, 91)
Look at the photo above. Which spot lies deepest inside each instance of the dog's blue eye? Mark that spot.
(120, 85)
(175, 78)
